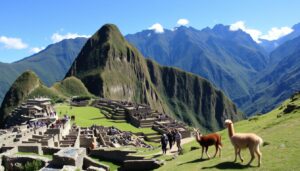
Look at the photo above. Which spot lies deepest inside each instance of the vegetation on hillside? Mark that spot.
(21, 88)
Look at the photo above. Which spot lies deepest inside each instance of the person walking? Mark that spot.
(178, 138)
(164, 142)
(170, 138)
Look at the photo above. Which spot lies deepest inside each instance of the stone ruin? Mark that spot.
(37, 109)
(109, 137)
(141, 116)
(70, 146)
(79, 101)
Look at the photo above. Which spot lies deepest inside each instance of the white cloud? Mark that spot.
(275, 33)
(158, 28)
(13, 43)
(56, 37)
(36, 49)
(183, 22)
(240, 25)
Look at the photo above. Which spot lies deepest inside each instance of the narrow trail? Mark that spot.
(174, 149)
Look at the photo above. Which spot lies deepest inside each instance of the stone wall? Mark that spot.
(30, 149)
(50, 150)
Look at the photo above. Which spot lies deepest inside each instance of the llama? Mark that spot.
(244, 140)
(208, 140)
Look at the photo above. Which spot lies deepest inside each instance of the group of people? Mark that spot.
(170, 138)
(37, 124)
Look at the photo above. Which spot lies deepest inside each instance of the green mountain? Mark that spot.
(21, 88)
(228, 59)
(28, 85)
(111, 67)
(51, 64)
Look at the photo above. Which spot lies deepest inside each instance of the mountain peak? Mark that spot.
(220, 27)
(296, 26)
(108, 32)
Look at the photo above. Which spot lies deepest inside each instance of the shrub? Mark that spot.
(33, 166)
(81, 98)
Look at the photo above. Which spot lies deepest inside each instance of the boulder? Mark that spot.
(69, 156)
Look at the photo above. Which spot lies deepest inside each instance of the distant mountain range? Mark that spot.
(269, 46)
(256, 77)
(251, 74)
(226, 58)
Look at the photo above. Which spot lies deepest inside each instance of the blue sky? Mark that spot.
(30, 25)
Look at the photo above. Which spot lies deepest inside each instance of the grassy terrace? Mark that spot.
(34, 154)
(87, 116)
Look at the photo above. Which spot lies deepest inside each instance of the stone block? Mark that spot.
(69, 156)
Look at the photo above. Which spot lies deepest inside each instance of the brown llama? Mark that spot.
(208, 140)
(244, 140)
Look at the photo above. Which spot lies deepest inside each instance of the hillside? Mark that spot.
(111, 67)
(51, 64)
(228, 59)
(279, 81)
(28, 85)
(279, 130)
(21, 88)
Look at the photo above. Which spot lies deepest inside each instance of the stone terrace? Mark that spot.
(141, 116)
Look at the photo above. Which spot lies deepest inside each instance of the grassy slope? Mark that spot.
(87, 116)
(282, 153)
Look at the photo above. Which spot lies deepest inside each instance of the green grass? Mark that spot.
(281, 153)
(87, 116)
(34, 154)
(112, 166)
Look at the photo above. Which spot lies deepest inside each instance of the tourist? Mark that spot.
(164, 142)
(170, 138)
(178, 138)
(173, 135)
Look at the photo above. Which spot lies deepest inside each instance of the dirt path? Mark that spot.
(174, 149)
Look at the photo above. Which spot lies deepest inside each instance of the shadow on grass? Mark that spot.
(228, 165)
(97, 118)
(194, 161)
